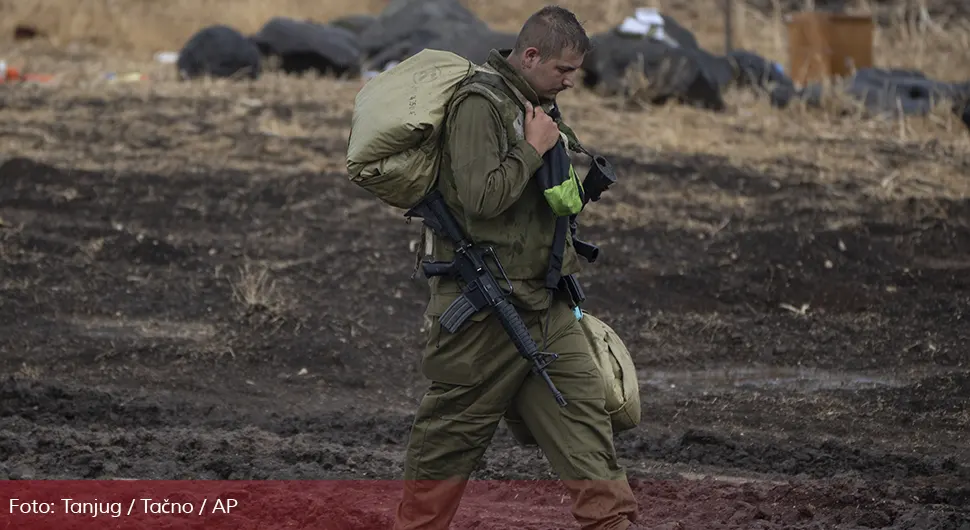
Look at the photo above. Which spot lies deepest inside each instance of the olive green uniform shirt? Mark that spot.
(483, 183)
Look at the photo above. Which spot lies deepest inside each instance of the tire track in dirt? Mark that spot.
(88, 412)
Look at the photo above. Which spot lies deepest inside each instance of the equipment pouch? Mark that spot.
(566, 198)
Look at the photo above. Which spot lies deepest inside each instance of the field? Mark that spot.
(190, 288)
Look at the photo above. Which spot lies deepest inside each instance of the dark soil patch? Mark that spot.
(226, 325)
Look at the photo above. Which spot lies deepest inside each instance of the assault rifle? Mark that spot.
(481, 290)
(599, 178)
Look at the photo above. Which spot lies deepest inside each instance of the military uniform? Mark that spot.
(476, 374)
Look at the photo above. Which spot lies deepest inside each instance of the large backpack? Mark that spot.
(395, 139)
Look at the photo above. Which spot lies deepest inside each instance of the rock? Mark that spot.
(22, 473)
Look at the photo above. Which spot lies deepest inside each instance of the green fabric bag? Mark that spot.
(619, 376)
(394, 148)
(566, 198)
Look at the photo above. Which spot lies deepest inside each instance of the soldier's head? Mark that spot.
(550, 50)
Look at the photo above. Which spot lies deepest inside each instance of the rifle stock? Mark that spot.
(599, 178)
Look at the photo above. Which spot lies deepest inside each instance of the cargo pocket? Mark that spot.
(447, 359)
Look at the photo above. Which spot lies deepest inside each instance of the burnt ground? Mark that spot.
(803, 363)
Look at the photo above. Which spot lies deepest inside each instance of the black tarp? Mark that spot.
(886, 92)
(218, 51)
(303, 46)
(474, 46)
(354, 23)
(405, 27)
(682, 73)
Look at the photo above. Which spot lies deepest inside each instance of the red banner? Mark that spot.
(242, 505)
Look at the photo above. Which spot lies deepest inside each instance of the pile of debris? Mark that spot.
(667, 54)
(673, 64)
(676, 68)
(886, 92)
(361, 45)
(348, 46)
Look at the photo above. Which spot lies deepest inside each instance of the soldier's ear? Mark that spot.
(531, 56)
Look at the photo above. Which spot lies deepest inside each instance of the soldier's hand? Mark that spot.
(540, 130)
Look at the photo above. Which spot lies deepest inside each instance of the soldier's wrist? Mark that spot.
(539, 152)
(531, 155)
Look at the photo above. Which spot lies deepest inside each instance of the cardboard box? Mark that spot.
(823, 46)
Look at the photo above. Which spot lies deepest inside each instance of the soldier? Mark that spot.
(490, 155)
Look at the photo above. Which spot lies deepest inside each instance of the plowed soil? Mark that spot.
(188, 289)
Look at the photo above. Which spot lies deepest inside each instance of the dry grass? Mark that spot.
(139, 28)
(281, 130)
(91, 37)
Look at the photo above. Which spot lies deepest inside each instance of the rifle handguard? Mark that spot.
(516, 330)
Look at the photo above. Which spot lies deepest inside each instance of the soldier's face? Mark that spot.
(551, 75)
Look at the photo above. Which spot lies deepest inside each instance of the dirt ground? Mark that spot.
(190, 288)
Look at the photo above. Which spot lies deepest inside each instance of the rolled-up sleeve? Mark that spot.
(487, 182)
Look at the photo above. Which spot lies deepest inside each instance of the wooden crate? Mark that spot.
(823, 46)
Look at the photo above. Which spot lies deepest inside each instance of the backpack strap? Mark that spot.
(498, 81)
(487, 83)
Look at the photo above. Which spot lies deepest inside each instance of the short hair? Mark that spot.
(552, 30)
